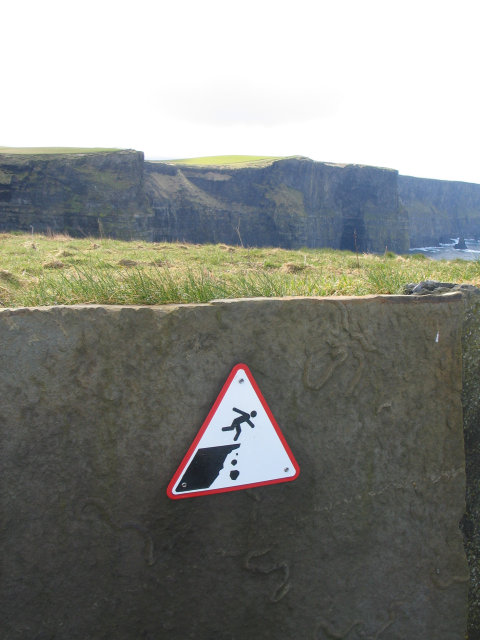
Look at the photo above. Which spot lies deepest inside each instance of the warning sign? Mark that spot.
(240, 445)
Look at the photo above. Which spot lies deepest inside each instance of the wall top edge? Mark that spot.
(445, 298)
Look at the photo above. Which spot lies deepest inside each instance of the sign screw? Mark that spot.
(184, 484)
(241, 381)
(286, 469)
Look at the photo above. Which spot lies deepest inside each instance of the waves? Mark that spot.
(445, 251)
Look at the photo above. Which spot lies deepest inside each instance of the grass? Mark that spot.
(52, 150)
(227, 160)
(38, 270)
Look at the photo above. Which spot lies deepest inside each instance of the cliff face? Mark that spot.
(82, 194)
(290, 203)
(439, 209)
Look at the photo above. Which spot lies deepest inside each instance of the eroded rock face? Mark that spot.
(289, 203)
(82, 194)
(440, 209)
(100, 404)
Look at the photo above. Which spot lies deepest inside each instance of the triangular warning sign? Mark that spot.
(240, 445)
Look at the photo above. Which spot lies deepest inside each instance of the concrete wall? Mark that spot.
(100, 404)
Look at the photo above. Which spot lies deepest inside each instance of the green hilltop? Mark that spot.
(225, 161)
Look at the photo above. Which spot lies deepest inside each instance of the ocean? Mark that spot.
(447, 252)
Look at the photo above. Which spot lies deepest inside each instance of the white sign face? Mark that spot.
(240, 445)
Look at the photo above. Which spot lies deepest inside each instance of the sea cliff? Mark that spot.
(440, 209)
(78, 193)
(291, 202)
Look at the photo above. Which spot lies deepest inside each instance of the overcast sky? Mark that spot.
(380, 82)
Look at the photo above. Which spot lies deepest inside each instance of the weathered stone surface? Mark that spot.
(471, 424)
(99, 405)
(426, 287)
(434, 287)
(471, 420)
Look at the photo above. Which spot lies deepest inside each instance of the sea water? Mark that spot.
(446, 251)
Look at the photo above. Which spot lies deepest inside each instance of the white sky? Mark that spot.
(380, 82)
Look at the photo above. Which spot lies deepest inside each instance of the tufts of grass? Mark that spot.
(48, 270)
(384, 278)
(9, 278)
(53, 264)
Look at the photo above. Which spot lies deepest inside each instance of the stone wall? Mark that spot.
(471, 420)
(99, 406)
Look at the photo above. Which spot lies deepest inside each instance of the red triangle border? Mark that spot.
(204, 427)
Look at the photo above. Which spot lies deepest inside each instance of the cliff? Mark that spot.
(79, 193)
(290, 203)
(439, 209)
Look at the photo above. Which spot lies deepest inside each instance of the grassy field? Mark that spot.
(52, 150)
(47, 270)
(226, 161)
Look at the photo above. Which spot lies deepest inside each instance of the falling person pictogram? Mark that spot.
(236, 422)
(225, 455)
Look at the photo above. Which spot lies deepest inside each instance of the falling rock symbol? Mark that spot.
(205, 467)
(240, 417)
